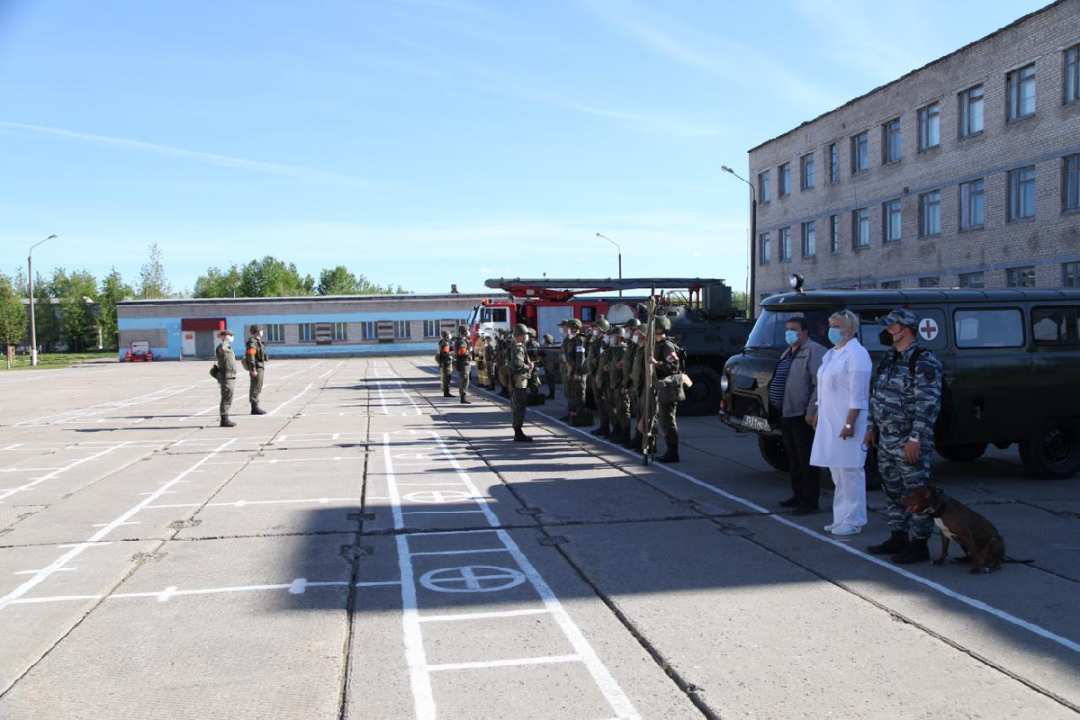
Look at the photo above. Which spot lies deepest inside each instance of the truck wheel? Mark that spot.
(1054, 452)
(772, 450)
(703, 398)
(961, 453)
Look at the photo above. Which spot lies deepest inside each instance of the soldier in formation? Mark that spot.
(445, 358)
(521, 370)
(463, 362)
(255, 363)
(635, 379)
(532, 347)
(489, 361)
(551, 363)
(904, 404)
(617, 395)
(502, 361)
(576, 373)
(667, 364)
(595, 355)
(226, 375)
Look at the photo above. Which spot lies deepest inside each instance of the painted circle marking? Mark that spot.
(928, 329)
(471, 578)
(438, 497)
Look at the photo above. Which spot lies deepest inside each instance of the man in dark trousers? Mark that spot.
(445, 356)
(255, 364)
(226, 375)
(521, 368)
(793, 398)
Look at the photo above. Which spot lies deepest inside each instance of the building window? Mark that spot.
(860, 153)
(431, 328)
(930, 126)
(1020, 277)
(971, 111)
(809, 239)
(784, 179)
(834, 234)
(975, 280)
(972, 204)
(890, 141)
(890, 216)
(763, 187)
(1070, 274)
(890, 285)
(339, 331)
(766, 247)
(807, 171)
(1022, 194)
(860, 228)
(305, 332)
(785, 244)
(402, 329)
(1070, 183)
(834, 163)
(368, 330)
(1072, 74)
(274, 333)
(929, 282)
(1021, 93)
(930, 214)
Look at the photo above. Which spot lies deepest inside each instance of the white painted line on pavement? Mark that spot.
(482, 615)
(59, 471)
(294, 397)
(548, 660)
(32, 572)
(82, 413)
(462, 552)
(245, 503)
(296, 587)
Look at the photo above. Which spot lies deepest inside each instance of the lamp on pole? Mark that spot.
(605, 237)
(33, 327)
(750, 304)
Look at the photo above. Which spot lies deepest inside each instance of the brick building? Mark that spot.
(963, 173)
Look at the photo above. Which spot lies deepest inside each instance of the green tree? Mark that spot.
(22, 288)
(113, 290)
(339, 281)
(13, 320)
(153, 282)
(77, 320)
(46, 319)
(271, 277)
(218, 284)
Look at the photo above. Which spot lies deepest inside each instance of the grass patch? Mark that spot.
(47, 361)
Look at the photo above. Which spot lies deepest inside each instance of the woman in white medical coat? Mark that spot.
(843, 383)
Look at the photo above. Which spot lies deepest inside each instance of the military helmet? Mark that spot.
(602, 323)
(632, 324)
(254, 329)
(226, 331)
(445, 334)
(462, 329)
(564, 322)
(662, 324)
(549, 339)
(574, 323)
(617, 332)
(520, 330)
(532, 332)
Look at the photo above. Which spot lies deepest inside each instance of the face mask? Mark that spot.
(835, 336)
(228, 339)
(885, 338)
(791, 337)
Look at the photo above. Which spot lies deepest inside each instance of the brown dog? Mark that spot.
(980, 540)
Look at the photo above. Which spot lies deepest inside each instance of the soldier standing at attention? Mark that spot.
(667, 365)
(226, 375)
(445, 357)
(256, 367)
(597, 377)
(617, 394)
(489, 361)
(564, 374)
(574, 357)
(502, 359)
(521, 369)
(629, 380)
(463, 361)
(637, 382)
(904, 404)
(533, 349)
(551, 364)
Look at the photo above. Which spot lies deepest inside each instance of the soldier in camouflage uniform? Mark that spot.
(532, 347)
(574, 358)
(666, 363)
(445, 358)
(502, 359)
(903, 408)
(618, 396)
(521, 370)
(256, 367)
(489, 361)
(551, 364)
(597, 381)
(564, 375)
(634, 381)
(226, 375)
(463, 362)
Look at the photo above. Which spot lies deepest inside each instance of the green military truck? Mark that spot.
(1011, 360)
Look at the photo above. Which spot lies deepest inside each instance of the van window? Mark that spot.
(588, 314)
(769, 329)
(1052, 326)
(989, 328)
(498, 315)
(870, 328)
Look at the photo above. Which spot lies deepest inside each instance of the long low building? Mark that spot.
(338, 326)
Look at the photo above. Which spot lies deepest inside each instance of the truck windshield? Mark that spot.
(768, 332)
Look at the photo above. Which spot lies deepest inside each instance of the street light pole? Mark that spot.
(751, 305)
(33, 327)
(617, 247)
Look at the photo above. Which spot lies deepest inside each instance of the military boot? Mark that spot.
(915, 551)
(226, 422)
(603, 430)
(896, 542)
(619, 436)
(632, 439)
(446, 393)
(671, 455)
(256, 410)
(505, 393)
(551, 394)
(519, 436)
(465, 400)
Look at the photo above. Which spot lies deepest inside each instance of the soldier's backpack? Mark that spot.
(946, 418)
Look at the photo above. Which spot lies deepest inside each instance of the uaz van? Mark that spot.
(1011, 361)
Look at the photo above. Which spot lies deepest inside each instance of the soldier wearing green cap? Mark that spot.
(634, 380)
(255, 364)
(666, 362)
(574, 358)
(226, 375)
(618, 398)
(595, 355)
(532, 347)
(521, 368)
(445, 358)
(551, 363)
(463, 361)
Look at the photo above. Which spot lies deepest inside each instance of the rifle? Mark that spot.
(648, 442)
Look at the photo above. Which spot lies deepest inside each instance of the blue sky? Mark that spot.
(424, 142)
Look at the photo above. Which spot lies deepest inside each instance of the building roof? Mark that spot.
(903, 77)
(303, 298)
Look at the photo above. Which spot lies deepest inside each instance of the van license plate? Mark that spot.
(756, 423)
